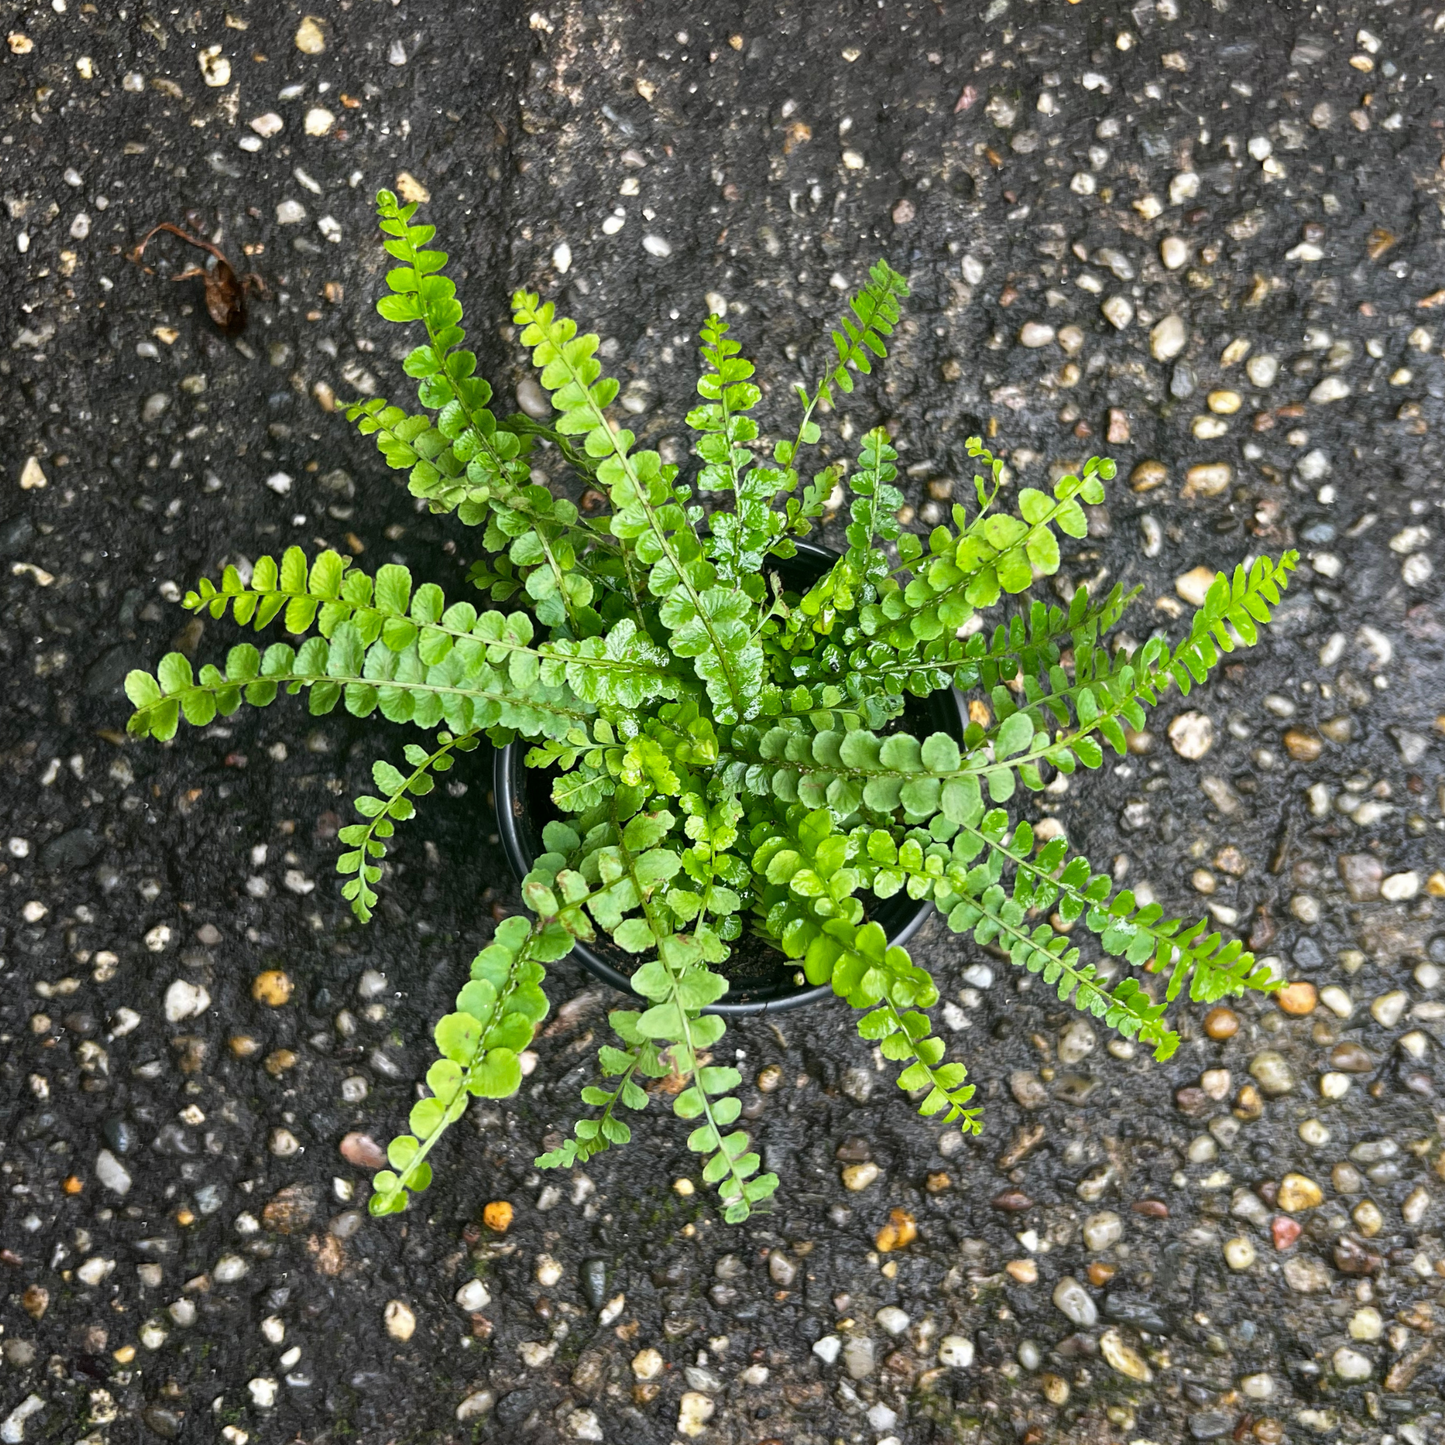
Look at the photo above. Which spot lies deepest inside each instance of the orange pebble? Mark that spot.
(74, 1184)
(898, 1233)
(272, 987)
(498, 1215)
(1297, 998)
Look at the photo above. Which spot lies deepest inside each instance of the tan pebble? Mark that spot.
(858, 1177)
(410, 189)
(1230, 860)
(1025, 1271)
(400, 1321)
(1235, 352)
(770, 1078)
(32, 477)
(1298, 998)
(1147, 475)
(1208, 479)
(243, 1045)
(1224, 403)
(1124, 1357)
(1368, 1219)
(1193, 586)
(272, 987)
(1435, 884)
(1338, 729)
(311, 35)
(278, 1062)
(1055, 1388)
(1221, 1023)
(1296, 1192)
(1302, 746)
(1118, 431)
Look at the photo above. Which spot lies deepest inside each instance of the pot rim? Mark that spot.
(509, 767)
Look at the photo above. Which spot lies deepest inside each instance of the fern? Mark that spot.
(727, 755)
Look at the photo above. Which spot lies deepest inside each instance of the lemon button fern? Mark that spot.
(726, 757)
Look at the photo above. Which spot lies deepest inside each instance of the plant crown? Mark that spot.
(727, 756)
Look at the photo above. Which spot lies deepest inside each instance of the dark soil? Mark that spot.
(771, 148)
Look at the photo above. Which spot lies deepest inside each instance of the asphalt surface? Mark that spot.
(1070, 177)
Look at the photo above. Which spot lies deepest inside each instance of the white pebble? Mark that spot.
(185, 1000)
(1387, 1009)
(267, 125)
(400, 1321)
(1034, 334)
(1351, 1364)
(1167, 338)
(263, 1391)
(111, 1172)
(288, 213)
(892, 1319)
(319, 120)
(658, 246)
(229, 1268)
(955, 1352)
(826, 1349)
(474, 1295)
(1332, 388)
(562, 258)
(1118, 311)
(1400, 886)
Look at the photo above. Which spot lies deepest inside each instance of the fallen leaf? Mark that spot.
(225, 291)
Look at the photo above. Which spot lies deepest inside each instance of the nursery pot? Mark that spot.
(524, 806)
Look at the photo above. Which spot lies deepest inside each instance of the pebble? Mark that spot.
(1191, 735)
(1302, 746)
(475, 1405)
(648, 1364)
(1123, 1357)
(1118, 311)
(310, 36)
(1297, 1192)
(1193, 586)
(1351, 1058)
(1221, 1023)
(1102, 1230)
(1075, 1302)
(1366, 1324)
(1350, 1364)
(363, 1151)
(1387, 1009)
(1400, 887)
(289, 213)
(594, 1281)
(263, 1391)
(1305, 1274)
(1272, 1072)
(1147, 475)
(658, 246)
(1224, 403)
(1284, 1231)
(1361, 873)
(1174, 252)
(858, 1357)
(1239, 1252)
(1168, 337)
(1262, 369)
(1028, 1089)
(857, 1177)
(1332, 388)
(898, 1233)
(1207, 479)
(267, 125)
(400, 1321)
(826, 1349)
(319, 120)
(533, 400)
(955, 1352)
(498, 1215)
(1298, 998)
(112, 1173)
(473, 1296)
(185, 1000)
(781, 1269)
(410, 189)
(892, 1319)
(1076, 1041)
(229, 1268)
(1034, 334)
(272, 987)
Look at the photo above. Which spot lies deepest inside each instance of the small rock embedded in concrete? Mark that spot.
(1272, 1072)
(1208, 479)
(112, 1173)
(1351, 1365)
(892, 1319)
(477, 1404)
(410, 189)
(185, 1000)
(1332, 388)
(1168, 337)
(1191, 735)
(1034, 334)
(1075, 1302)
(363, 1151)
(857, 1177)
(694, 1410)
(1123, 1357)
(1193, 586)
(1118, 311)
(311, 35)
(473, 1295)
(267, 124)
(858, 1357)
(400, 1321)
(273, 987)
(32, 476)
(955, 1352)
(263, 1392)
(1147, 475)
(1297, 1192)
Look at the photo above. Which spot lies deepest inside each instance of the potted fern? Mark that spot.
(750, 745)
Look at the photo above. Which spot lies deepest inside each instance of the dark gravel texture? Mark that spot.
(1001, 155)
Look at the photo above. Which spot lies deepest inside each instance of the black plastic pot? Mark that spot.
(524, 806)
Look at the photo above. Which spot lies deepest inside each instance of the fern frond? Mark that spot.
(365, 840)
